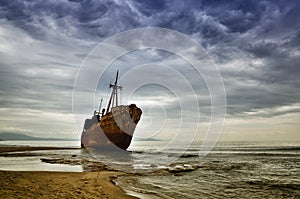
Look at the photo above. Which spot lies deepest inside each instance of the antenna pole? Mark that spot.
(100, 106)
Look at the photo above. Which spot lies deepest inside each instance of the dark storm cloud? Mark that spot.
(215, 20)
(82, 19)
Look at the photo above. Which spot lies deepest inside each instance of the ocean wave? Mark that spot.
(179, 168)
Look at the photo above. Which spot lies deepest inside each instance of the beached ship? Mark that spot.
(113, 127)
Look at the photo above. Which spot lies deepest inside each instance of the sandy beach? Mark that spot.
(24, 184)
(44, 184)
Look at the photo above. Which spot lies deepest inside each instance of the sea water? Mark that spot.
(31, 160)
(230, 170)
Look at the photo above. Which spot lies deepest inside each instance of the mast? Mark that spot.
(114, 95)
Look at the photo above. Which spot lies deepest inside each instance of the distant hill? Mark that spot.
(19, 136)
(141, 139)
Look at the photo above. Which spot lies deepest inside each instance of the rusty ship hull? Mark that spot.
(114, 129)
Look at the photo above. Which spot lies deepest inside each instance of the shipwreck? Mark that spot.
(111, 127)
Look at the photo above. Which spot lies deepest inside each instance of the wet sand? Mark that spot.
(44, 184)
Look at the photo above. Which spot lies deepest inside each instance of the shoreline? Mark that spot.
(55, 184)
(15, 148)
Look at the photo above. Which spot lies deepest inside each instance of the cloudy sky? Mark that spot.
(254, 44)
